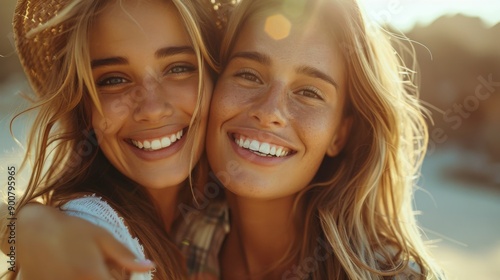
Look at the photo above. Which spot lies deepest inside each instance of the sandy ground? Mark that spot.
(462, 217)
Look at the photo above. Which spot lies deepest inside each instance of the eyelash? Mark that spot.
(248, 75)
(185, 68)
(254, 77)
(315, 91)
(110, 81)
(107, 81)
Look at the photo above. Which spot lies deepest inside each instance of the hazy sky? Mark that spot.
(405, 13)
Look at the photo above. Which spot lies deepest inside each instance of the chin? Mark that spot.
(262, 190)
(253, 191)
(160, 182)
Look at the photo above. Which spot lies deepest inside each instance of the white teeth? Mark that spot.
(263, 148)
(254, 145)
(246, 144)
(160, 143)
(156, 144)
(279, 151)
(165, 142)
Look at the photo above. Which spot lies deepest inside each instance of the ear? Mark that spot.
(340, 138)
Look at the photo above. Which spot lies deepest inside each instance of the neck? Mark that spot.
(261, 233)
(165, 200)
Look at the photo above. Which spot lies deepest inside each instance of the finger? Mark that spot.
(115, 252)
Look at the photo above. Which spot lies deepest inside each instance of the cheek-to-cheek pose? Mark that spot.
(315, 134)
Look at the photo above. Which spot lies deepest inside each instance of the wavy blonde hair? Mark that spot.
(359, 203)
(66, 159)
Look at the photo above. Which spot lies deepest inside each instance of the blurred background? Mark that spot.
(458, 51)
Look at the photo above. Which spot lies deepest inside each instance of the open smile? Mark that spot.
(261, 148)
(157, 143)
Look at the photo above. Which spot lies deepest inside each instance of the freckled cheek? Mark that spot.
(236, 97)
(225, 101)
(184, 96)
(115, 110)
(316, 126)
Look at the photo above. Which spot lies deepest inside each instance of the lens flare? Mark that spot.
(277, 27)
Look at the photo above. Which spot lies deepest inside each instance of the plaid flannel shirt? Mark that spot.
(200, 235)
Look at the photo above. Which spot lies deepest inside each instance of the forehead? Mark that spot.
(303, 41)
(138, 23)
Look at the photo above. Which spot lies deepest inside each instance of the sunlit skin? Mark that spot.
(146, 75)
(290, 94)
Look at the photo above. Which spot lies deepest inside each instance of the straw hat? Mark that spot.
(38, 53)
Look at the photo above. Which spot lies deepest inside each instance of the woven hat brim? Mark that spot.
(38, 52)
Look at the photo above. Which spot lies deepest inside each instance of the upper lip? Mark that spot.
(155, 133)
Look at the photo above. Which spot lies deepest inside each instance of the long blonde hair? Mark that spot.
(359, 203)
(66, 159)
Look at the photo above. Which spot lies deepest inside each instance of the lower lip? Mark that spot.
(254, 158)
(161, 153)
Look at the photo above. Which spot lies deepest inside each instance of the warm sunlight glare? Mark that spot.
(277, 27)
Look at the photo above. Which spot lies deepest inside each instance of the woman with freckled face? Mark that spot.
(277, 111)
(122, 95)
(320, 142)
(148, 93)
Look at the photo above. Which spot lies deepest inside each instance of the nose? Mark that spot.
(270, 107)
(151, 99)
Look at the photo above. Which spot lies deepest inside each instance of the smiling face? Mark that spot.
(146, 75)
(277, 110)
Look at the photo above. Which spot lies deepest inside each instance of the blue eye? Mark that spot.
(111, 81)
(179, 69)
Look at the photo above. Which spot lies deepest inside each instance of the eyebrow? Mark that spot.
(169, 51)
(255, 56)
(116, 60)
(163, 52)
(315, 73)
(266, 60)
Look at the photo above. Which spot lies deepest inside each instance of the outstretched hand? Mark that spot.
(52, 245)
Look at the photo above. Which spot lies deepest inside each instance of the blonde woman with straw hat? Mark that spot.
(121, 96)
